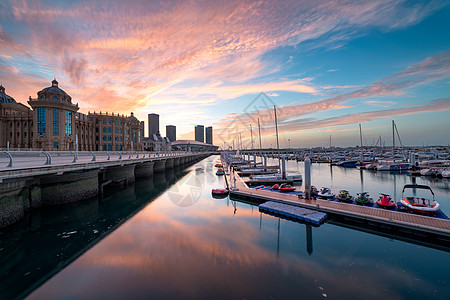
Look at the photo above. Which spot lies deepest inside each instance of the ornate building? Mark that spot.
(54, 123)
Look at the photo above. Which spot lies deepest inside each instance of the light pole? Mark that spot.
(289, 140)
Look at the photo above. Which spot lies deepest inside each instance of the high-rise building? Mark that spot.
(171, 132)
(153, 124)
(200, 133)
(209, 135)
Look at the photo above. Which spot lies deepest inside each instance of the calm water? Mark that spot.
(167, 238)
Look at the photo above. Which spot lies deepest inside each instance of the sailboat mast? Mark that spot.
(276, 129)
(251, 134)
(260, 144)
(393, 135)
(360, 134)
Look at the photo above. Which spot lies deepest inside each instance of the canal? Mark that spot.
(166, 237)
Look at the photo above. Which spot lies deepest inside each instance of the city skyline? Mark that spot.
(326, 66)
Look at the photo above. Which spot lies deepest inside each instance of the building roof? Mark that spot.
(4, 98)
(190, 142)
(54, 89)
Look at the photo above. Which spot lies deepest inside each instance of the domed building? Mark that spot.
(54, 119)
(16, 122)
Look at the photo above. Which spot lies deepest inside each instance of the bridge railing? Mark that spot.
(9, 159)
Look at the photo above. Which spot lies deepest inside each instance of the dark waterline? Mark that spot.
(181, 243)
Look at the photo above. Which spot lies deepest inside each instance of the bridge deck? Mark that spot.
(400, 219)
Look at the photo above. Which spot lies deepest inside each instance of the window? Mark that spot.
(55, 122)
(104, 147)
(109, 129)
(104, 137)
(41, 120)
(109, 138)
(109, 121)
(109, 147)
(55, 98)
(116, 130)
(117, 147)
(104, 129)
(104, 121)
(55, 145)
(134, 136)
(68, 123)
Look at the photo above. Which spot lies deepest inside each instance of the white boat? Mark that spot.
(393, 166)
(278, 176)
(428, 172)
(418, 204)
(325, 193)
(446, 174)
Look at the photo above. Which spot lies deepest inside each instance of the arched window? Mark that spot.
(55, 98)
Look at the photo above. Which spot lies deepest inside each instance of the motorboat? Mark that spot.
(314, 191)
(219, 193)
(348, 163)
(363, 198)
(286, 188)
(418, 204)
(428, 172)
(218, 165)
(278, 176)
(393, 165)
(445, 174)
(325, 193)
(385, 201)
(344, 196)
(220, 172)
(275, 187)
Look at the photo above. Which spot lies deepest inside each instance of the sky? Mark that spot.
(327, 66)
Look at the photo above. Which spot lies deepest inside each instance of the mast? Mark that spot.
(393, 135)
(330, 141)
(260, 144)
(276, 128)
(251, 134)
(360, 134)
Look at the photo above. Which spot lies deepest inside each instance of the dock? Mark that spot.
(406, 225)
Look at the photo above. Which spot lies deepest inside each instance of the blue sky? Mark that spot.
(326, 65)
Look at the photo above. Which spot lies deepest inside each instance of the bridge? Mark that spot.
(34, 179)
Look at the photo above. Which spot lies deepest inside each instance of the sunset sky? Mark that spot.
(326, 65)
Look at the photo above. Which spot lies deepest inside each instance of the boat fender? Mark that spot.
(432, 170)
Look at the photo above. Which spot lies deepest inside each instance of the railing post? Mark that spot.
(93, 156)
(109, 157)
(10, 158)
(120, 155)
(49, 158)
(74, 157)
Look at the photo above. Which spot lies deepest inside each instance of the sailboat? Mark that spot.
(277, 176)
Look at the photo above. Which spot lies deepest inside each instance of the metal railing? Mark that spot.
(16, 159)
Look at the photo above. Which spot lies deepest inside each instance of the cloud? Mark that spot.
(158, 49)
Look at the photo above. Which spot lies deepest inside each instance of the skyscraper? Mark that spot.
(171, 132)
(153, 124)
(200, 133)
(209, 135)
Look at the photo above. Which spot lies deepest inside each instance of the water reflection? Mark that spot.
(215, 250)
(47, 240)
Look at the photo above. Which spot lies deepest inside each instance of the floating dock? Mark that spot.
(434, 231)
(294, 212)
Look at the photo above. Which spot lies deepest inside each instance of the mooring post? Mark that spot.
(307, 178)
(283, 167)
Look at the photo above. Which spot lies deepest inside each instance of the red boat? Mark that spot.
(286, 188)
(219, 193)
(385, 201)
(275, 187)
(218, 165)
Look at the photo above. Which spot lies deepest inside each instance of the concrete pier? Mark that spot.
(119, 173)
(159, 166)
(169, 163)
(144, 170)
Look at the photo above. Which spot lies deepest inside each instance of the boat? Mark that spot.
(348, 163)
(428, 172)
(275, 187)
(393, 165)
(445, 174)
(363, 198)
(314, 191)
(344, 196)
(286, 188)
(325, 193)
(418, 204)
(219, 193)
(278, 176)
(220, 172)
(385, 201)
(218, 165)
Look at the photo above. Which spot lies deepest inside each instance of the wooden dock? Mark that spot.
(429, 227)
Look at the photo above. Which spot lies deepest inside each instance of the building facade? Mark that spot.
(200, 133)
(153, 124)
(53, 123)
(171, 132)
(209, 135)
